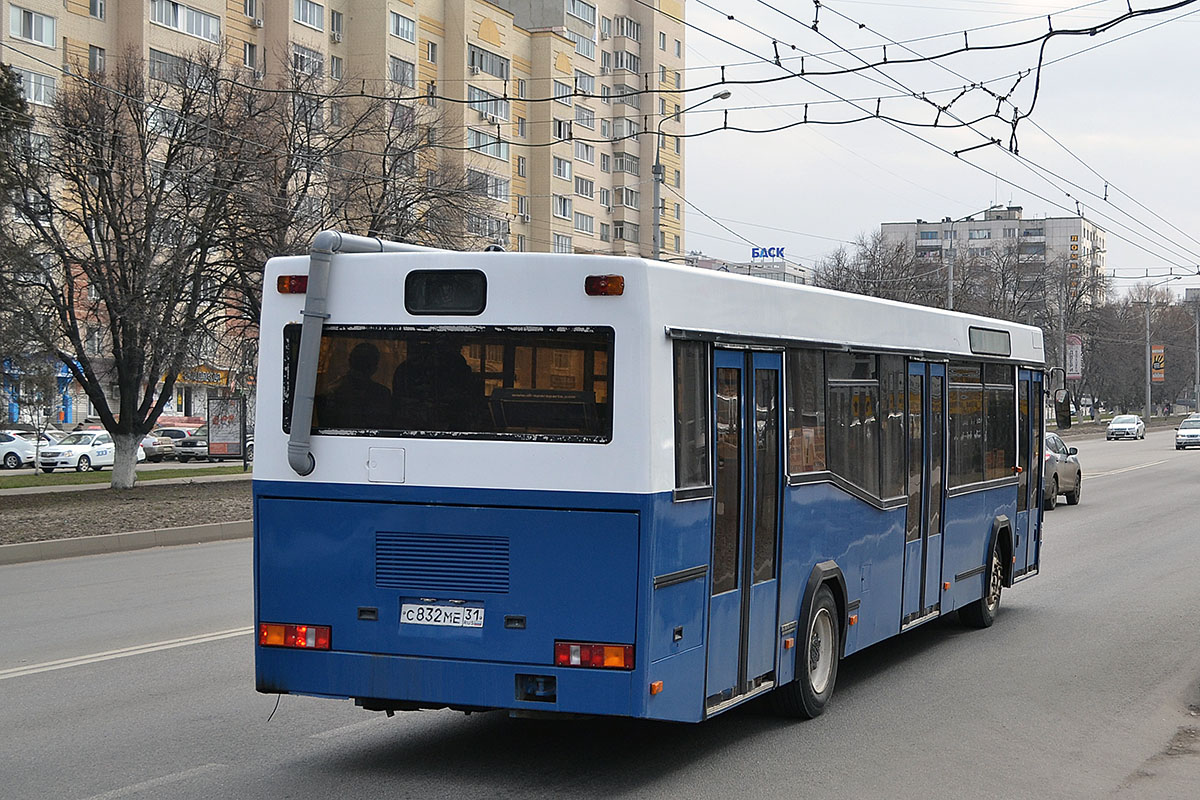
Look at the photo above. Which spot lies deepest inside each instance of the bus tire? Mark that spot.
(817, 654)
(982, 613)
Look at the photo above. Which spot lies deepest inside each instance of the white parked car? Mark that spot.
(1126, 426)
(82, 452)
(15, 451)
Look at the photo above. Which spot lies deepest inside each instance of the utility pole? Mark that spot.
(1192, 296)
(659, 172)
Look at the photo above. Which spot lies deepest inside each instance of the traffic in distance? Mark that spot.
(572, 484)
(92, 448)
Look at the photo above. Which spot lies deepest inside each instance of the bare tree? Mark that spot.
(885, 269)
(113, 255)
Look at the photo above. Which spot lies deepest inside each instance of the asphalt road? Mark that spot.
(1080, 690)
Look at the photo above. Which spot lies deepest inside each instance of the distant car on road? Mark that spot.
(15, 451)
(1064, 475)
(1188, 433)
(83, 452)
(1126, 426)
(196, 446)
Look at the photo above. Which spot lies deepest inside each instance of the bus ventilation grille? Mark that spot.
(441, 562)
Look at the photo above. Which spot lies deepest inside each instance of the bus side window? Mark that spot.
(806, 411)
(691, 414)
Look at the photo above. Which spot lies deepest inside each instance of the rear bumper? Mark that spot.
(380, 681)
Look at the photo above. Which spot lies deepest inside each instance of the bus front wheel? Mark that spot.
(817, 656)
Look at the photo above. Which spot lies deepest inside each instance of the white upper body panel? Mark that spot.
(548, 290)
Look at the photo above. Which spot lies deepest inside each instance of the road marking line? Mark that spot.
(124, 652)
(1127, 469)
(154, 783)
(351, 728)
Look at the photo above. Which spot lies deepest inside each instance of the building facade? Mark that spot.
(1042, 244)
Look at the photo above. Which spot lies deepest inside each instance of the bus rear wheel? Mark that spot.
(982, 613)
(816, 662)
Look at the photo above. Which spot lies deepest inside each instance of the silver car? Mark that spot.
(1064, 475)
(1126, 426)
(1188, 433)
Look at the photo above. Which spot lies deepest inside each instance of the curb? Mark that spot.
(119, 542)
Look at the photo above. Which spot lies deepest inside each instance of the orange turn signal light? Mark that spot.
(789, 643)
(601, 285)
(854, 619)
(946, 586)
(292, 284)
(656, 687)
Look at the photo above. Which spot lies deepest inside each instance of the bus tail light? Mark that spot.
(585, 654)
(292, 284)
(600, 285)
(304, 637)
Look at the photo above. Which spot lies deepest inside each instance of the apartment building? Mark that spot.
(559, 102)
(1040, 244)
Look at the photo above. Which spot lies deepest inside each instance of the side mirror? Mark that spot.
(1062, 408)
(1073, 451)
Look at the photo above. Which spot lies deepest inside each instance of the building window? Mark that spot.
(585, 117)
(480, 60)
(31, 26)
(35, 88)
(250, 55)
(624, 162)
(185, 19)
(521, 166)
(627, 61)
(585, 83)
(562, 168)
(489, 145)
(95, 60)
(521, 127)
(676, 243)
(402, 72)
(630, 29)
(584, 187)
(96, 8)
(605, 232)
(604, 162)
(336, 67)
(585, 152)
(927, 235)
(678, 49)
(521, 87)
(562, 244)
(678, 179)
(626, 231)
(605, 197)
(582, 10)
(306, 12)
(487, 103)
(662, 41)
(605, 94)
(306, 61)
(979, 234)
(562, 206)
(562, 129)
(584, 45)
(562, 93)
(630, 198)
(402, 27)
(431, 52)
(678, 211)
(335, 22)
(584, 223)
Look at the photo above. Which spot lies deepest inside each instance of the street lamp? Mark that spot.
(658, 167)
(1148, 367)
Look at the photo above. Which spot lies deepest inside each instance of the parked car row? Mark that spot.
(94, 449)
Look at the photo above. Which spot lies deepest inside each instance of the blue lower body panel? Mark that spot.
(408, 681)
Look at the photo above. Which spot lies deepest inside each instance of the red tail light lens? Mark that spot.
(590, 654)
(305, 637)
(292, 284)
(598, 285)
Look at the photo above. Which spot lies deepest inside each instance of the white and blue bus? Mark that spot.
(600, 485)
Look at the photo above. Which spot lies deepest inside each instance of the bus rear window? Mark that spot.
(527, 383)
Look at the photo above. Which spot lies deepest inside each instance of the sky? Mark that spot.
(1114, 132)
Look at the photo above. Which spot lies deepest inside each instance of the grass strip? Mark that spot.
(79, 478)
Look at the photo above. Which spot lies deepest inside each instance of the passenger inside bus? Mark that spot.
(434, 389)
(357, 401)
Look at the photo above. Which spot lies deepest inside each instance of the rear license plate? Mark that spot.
(449, 616)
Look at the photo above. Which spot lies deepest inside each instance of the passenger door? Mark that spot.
(925, 406)
(1030, 463)
(748, 479)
